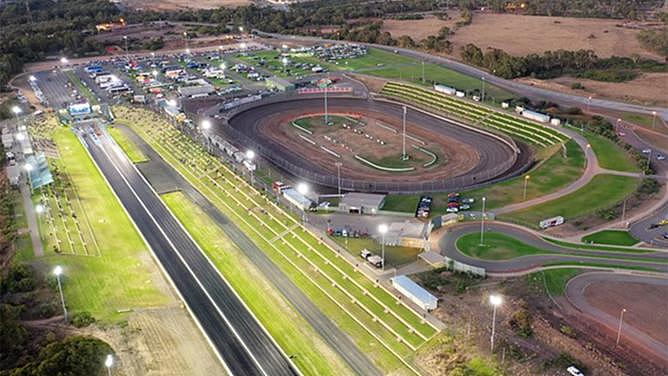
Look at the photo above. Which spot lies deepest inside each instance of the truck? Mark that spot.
(372, 259)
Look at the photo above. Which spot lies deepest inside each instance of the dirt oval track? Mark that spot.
(475, 156)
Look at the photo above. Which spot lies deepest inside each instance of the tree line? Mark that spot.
(550, 64)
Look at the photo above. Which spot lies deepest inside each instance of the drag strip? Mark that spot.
(243, 345)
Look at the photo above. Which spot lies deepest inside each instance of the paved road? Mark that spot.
(238, 338)
(575, 292)
(445, 243)
(512, 86)
(333, 336)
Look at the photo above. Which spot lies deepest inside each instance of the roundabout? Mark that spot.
(366, 141)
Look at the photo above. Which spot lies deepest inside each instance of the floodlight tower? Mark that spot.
(382, 229)
(495, 301)
(58, 270)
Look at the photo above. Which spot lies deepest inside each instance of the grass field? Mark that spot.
(122, 277)
(131, 150)
(602, 192)
(497, 246)
(554, 280)
(387, 331)
(613, 237)
(610, 155)
(394, 256)
(555, 173)
(275, 314)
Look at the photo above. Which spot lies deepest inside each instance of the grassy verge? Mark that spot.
(120, 278)
(395, 256)
(558, 171)
(553, 280)
(610, 155)
(602, 192)
(598, 247)
(275, 314)
(131, 150)
(613, 237)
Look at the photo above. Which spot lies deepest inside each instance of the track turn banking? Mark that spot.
(467, 156)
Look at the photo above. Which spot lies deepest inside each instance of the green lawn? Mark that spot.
(130, 148)
(497, 246)
(598, 247)
(275, 314)
(602, 192)
(557, 172)
(613, 237)
(554, 280)
(610, 155)
(645, 121)
(121, 277)
(395, 256)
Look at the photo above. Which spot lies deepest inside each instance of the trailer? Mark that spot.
(536, 116)
(445, 89)
(416, 294)
(239, 156)
(551, 222)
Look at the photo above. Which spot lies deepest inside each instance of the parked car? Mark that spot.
(573, 370)
(660, 157)
(646, 151)
(468, 200)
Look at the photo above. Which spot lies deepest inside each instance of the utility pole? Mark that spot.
(423, 71)
(338, 176)
(619, 328)
(403, 138)
(653, 119)
(482, 96)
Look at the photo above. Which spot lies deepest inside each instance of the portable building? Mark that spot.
(414, 292)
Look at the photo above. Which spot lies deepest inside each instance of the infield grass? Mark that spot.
(394, 255)
(554, 280)
(270, 308)
(129, 148)
(610, 155)
(497, 246)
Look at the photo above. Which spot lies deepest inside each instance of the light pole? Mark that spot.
(108, 362)
(619, 328)
(125, 39)
(588, 103)
(482, 96)
(526, 182)
(16, 110)
(649, 159)
(326, 113)
(58, 270)
(338, 176)
(185, 40)
(302, 189)
(382, 229)
(482, 222)
(250, 155)
(403, 138)
(495, 301)
(653, 119)
(422, 70)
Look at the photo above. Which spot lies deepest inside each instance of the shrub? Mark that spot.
(82, 319)
(520, 322)
(567, 330)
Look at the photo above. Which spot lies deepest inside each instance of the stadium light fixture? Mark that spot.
(58, 271)
(28, 167)
(302, 188)
(495, 301)
(206, 124)
(16, 110)
(155, 73)
(63, 60)
(241, 29)
(243, 45)
(382, 229)
(39, 209)
(32, 78)
(250, 155)
(284, 46)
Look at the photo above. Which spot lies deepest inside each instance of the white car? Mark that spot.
(661, 157)
(574, 371)
(646, 151)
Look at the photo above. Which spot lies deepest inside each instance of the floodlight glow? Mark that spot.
(250, 154)
(495, 300)
(302, 188)
(109, 361)
(382, 228)
(188, 50)
(241, 28)
(32, 78)
(285, 46)
(155, 73)
(28, 167)
(285, 61)
(243, 45)
(63, 60)
(206, 124)
(39, 209)
(223, 66)
(16, 110)
(58, 270)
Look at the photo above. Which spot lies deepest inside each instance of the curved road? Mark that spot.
(575, 293)
(446, 240)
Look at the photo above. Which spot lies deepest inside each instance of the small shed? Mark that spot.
(361, 203)
(415, 292)
(296, 198)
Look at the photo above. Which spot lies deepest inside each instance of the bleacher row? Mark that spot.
(525, 130)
